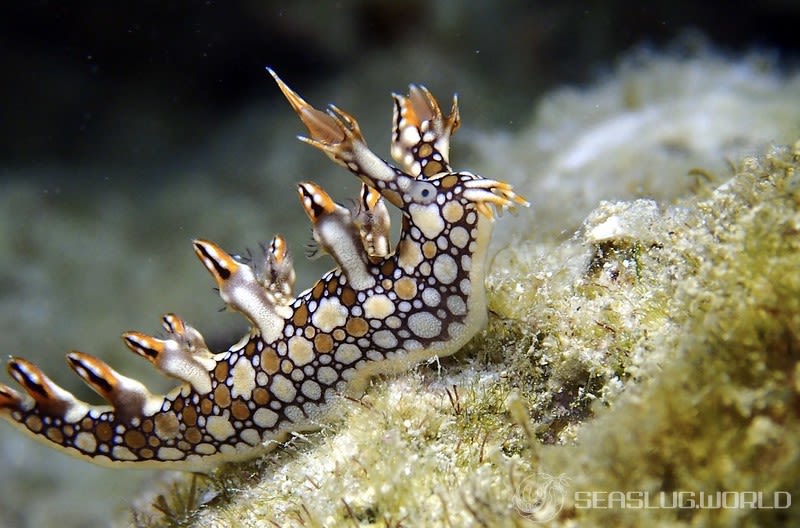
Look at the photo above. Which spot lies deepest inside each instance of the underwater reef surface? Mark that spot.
(644, 337)
(644, 328)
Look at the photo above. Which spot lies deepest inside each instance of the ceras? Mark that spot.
(378, 311)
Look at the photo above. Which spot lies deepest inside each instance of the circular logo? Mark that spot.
(540, 497)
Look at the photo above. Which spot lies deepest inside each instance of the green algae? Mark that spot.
(714, 403)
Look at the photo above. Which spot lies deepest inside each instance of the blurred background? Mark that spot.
(139, 82)
(129, 128)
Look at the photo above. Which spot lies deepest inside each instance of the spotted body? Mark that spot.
(377, 311)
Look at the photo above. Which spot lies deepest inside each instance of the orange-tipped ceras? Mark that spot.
(378, 311)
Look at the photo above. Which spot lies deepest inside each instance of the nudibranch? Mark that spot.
(380, 310)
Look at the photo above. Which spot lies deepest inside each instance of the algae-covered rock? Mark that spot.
(651, 357)
(710, 403)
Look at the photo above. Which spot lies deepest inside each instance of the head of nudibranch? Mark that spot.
(424, 187)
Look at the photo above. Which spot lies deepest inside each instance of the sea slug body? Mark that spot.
(380, 310)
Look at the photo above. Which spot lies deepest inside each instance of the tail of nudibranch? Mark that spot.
(378, 311)
(193, 426)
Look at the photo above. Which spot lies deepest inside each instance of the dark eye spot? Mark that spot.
(425, 193)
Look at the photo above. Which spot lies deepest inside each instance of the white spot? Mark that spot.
(347, 353)
(428, 218)
(311, 389)
(329, 314)
(384, 339)
(465, 286)
(431, 297)
(424, 324)
(409, 136)
(244, 379)
(326, 375)
(456, 329)
(310, 408)
(411, 344)
(293, 413)
(123, 453)
(445, 269)
(282, 388)
(76, 411)
(456, 305)
(205, 449)
(466, 262)
(169, 453)
(219, 427)
(378, 307)
(264, 418)
(250, 436)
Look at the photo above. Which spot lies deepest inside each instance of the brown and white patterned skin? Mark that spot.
(376, 312)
